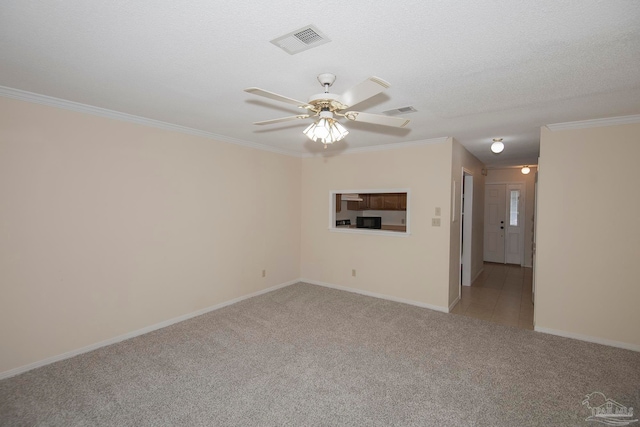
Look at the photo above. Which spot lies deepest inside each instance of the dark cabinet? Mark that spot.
(359, 206)
(380, 202)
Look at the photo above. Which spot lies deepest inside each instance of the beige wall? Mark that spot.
(588, 234)
(415, 267)
(461, 158)
(108, 227)
(512, 175)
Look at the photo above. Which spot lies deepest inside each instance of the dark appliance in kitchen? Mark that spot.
(369, 222)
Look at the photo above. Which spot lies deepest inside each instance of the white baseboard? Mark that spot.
(597, 340)
(376, 295)
(72, 353)
(476, 276)
(453, 304)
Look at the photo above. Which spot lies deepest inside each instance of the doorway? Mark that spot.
(466, 223)
(504, 226)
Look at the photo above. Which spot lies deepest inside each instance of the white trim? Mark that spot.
(116, 115)
(372, 190)
(584, 124)
(370, 232)
(454, 187)
(332, 212)
(50, 101)
(466, 233)
(376, 295)
(588, 338)
(523, 195)
(151, 328)
(523, 185)
(453, 304)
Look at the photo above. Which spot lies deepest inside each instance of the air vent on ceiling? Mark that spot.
(302, 39)
(401, 110)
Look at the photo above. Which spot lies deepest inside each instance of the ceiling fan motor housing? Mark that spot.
(327, 100)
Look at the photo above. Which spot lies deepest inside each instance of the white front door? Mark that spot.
(503, 228)
(494, 217)
(514, 229)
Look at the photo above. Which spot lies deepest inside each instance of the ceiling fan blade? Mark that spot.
(271, 95)
(282, 119)
(363, 91)
(377, 119)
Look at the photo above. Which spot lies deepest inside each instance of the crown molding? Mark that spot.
(584, 124)
(50, 101)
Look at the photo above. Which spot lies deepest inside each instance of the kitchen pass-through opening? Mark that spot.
(384, 211)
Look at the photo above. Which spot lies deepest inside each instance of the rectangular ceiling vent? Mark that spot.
(302, 39)
(398, 111)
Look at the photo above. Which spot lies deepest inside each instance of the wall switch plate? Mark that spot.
(264, 273)
(435, 222)
(353, 273)
(438, 212)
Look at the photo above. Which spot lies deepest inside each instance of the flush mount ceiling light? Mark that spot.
(497, 145)
(326, 130)
(525, 170)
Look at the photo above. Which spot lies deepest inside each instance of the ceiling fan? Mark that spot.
(327, 106)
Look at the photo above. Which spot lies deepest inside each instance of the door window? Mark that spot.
(514, 197)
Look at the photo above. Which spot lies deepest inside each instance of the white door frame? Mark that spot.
(535, 231)
(466, 227)
(523, 211)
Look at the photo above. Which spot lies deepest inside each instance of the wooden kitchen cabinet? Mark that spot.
(402, 201)
(380, 202)
(377, 201)
(390, 201)
(338, 202)
(359, 206)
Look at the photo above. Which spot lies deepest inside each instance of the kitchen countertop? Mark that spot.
(385, 227)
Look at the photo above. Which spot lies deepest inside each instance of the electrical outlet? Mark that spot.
(435, 222)
(264, 273)
(402, 221)
(353, 273)
(438, 212)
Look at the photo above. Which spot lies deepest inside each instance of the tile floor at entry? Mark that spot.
(500, 294)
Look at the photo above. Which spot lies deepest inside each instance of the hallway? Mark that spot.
(501, 294)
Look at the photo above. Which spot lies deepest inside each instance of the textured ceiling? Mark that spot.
(473, 70)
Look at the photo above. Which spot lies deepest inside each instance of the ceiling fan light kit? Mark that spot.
(326, 131)
(326, 106)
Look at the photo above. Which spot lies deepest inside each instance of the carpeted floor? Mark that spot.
(306, 355)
